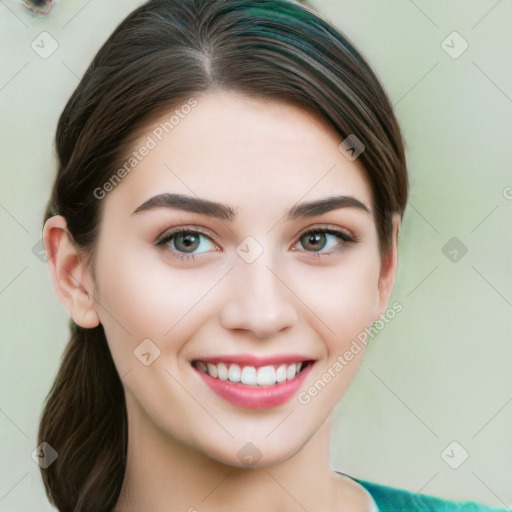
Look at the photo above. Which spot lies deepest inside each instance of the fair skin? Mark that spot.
(261, 158)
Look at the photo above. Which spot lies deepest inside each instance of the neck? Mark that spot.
(162, 473)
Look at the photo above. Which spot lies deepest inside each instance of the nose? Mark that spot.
(258, 300)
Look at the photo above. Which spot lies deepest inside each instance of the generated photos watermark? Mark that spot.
(151, 142)
(305, 397)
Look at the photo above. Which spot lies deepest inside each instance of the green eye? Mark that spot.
(318, 240)
(186, 243)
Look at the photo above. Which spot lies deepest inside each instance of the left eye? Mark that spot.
(323, 240)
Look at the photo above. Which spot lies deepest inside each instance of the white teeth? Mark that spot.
(281, 373)
(249, 375)
(222, 371)
(202, 366)
(234, 373)
(212, 369)
(290, 371)
(267, 376)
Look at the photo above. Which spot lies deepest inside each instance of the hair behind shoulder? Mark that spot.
(85, 422)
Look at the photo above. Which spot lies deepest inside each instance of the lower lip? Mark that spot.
(256, 397)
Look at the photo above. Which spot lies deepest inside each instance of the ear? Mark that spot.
(70, 275)
(388, 270)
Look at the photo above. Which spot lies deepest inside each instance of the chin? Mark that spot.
(254, 454)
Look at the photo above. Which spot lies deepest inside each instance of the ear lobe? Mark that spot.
(69, 273)
(388, 270)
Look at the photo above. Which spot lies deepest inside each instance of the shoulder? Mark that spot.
(390, 499)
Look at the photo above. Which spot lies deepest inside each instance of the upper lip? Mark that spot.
(256, 360)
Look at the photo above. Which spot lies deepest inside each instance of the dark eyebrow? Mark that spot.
(303, 210)
(189, 204)
(227, 213)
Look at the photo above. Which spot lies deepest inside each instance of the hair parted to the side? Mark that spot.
(164, 53)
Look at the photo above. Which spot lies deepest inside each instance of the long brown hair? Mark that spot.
(161, 55)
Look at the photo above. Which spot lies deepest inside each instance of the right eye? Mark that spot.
(183, 243)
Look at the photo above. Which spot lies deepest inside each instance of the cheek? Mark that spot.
(143, 298)
(341, 298)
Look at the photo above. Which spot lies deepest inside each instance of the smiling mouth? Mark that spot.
(261, 376)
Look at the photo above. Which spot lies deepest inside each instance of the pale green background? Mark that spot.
(440, 372)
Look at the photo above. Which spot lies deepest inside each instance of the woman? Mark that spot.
(223, 226)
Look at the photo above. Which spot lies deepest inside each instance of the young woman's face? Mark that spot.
(256, 289)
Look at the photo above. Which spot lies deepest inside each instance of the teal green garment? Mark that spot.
(389, 499)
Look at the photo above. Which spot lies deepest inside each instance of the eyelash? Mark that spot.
(167, 237)
(343, 237)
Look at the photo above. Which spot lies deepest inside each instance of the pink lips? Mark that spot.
(256, 397)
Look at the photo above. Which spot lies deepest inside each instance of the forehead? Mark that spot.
(236, 149)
